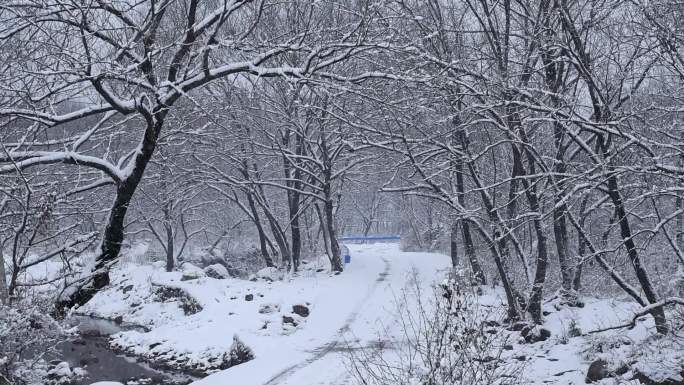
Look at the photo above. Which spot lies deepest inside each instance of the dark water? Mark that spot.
(91, 352)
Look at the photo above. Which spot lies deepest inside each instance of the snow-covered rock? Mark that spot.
(63, 374)
(301, 310)
(270, 274)
(268, 308)
(191, 272)
(216, 271)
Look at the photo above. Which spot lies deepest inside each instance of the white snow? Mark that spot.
(355, 305)
(354, 308)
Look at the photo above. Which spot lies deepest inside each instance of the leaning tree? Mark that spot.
(94, 83)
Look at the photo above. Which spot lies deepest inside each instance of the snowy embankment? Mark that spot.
(260, 313)
(299, 328)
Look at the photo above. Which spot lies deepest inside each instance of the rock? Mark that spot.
(535, 333)
(249, 297)
(648, 380)
(61, 370)
(126, 289)
(598, 370)
(269, 274)
(216, 271)
(268, 308)
(300, 310)
(508, 347)
(191, 272)
(190, 276)
(118, 320)
(289, 320)
(622, 369)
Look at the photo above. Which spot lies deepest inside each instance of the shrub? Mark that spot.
(448, 340)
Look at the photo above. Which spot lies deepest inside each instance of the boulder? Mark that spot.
(535, 333)
(191, 272)
(216, 271)
(289, 320)
(301, 310)
(249, 297)
(268, 308)
(650, 380)
(269, 274)
(598, 370)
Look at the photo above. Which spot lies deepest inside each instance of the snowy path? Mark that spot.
(357, 307)
(323, 351)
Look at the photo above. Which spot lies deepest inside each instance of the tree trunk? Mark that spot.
(679, 233)
(170, 258)
(553, 72)
(627, 240)
(468, 246)
(295, 230)
(336, 257)
(499, 251)
(260, 231)
(453, 245)
(4, 297)
(114, 231)
(536, 293)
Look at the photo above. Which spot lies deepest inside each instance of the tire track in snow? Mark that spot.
(329, 347)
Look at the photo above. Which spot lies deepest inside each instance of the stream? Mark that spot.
(90, 351)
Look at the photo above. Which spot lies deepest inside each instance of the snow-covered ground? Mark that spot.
(351, 307)
(356, 308)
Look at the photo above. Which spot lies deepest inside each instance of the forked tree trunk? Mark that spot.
(536, 294)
